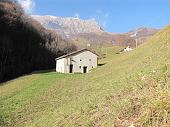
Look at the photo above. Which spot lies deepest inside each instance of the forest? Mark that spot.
(25, 45)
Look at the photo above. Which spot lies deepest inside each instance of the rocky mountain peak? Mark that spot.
(69, 25)
(89, 31)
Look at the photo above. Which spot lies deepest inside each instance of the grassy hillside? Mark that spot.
(128, 89)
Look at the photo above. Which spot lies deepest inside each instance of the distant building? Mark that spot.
(127, 49)
(81, 61)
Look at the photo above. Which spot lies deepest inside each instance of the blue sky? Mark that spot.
(114, 15)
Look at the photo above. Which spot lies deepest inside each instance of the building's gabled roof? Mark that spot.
(74, 53)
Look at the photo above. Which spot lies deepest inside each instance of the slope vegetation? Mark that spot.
(128, 89)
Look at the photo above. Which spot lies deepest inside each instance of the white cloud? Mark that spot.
(27, 5)
(102, 17)
(104, 23)
(77, 15)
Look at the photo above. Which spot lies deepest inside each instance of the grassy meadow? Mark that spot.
(129, 88)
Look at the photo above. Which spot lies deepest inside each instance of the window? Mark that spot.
(80, 60)
(80, 67)
(89, 59)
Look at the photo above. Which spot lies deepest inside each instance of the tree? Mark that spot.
(25, 45)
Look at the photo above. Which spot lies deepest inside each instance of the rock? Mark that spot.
(69, 26)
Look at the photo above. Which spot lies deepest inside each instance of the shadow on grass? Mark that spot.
(34, 72)
(102, 64)
(43, 71)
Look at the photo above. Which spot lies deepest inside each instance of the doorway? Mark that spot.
(84, 69)
(71, 68)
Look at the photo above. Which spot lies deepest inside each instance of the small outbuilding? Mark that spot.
(127, 49)
(81, 61)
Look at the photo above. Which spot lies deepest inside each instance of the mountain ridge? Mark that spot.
(90, 31)
(69, 25)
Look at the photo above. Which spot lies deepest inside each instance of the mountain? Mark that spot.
(143, 31)
(142, 34)
(89, 31)
(81, 31)
(69, 26)
(103, 38)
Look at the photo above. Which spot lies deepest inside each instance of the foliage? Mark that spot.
(24, 44)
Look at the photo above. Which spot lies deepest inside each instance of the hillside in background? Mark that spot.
(142, 34)
(131, 89)
(103, 39)
(25, 45)
(89, 31)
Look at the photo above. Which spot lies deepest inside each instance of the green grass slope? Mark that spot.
(132, 88)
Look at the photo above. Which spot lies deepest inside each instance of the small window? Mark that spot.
(80, 60)
(80, 67)
(89, 59)
(92, 66)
